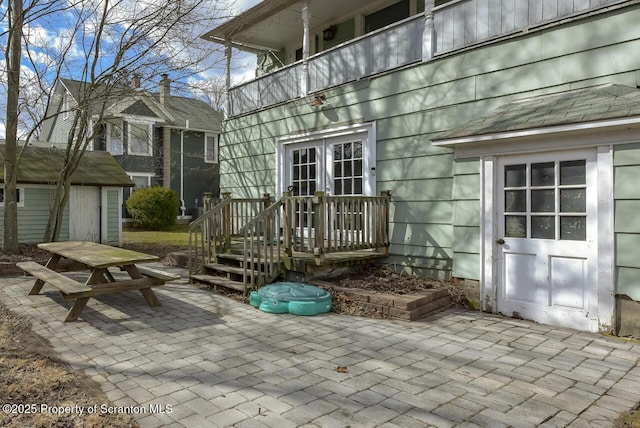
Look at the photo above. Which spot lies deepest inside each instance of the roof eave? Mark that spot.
(537, 132)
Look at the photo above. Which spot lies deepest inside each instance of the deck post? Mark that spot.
(226, 222)
(266, 202)
(319, 226)
(385, 220)
(287, 232)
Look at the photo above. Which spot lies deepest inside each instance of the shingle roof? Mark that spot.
(41, 165)
(201, 116)
(597, 103)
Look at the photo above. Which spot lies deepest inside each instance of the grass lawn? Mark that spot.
(175, 239)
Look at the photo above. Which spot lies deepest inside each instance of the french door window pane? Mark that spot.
(515, 201)
(337, 186)
(357, 182)
(543, 201)
(573, 200)
(337, 169)
(515, 226)
(347, 151)
(573, 172)
(542, 174)
(357, 167)
(515, 175)
(543, 227)
(573, 228)
(348, 188)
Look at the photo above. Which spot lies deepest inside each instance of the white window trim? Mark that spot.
(139, 123)
(216, 147)
(108, 139)
(20, 190)
(343, 131)
(148, 175)
(66, 105)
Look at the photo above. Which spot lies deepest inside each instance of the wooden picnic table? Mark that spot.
(97, 259)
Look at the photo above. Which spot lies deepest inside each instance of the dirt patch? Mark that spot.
(36, 385)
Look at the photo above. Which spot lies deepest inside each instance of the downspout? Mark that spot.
(183, 208)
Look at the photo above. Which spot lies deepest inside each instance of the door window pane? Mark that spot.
(542, 174)
(515, 226)
(543, 201)
(573, 228)
(515, 175)
(573, 172)
(573, 200)
(543, 227)
(515, 201)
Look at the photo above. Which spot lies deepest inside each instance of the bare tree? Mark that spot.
(105, 43)
(212, 90)
(13, 53)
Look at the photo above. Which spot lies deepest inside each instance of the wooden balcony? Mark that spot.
(246, 243)
(448, 28)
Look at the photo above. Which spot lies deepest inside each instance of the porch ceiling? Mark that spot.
(271, 24)
(603, 106)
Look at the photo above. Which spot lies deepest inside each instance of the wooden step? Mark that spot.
(219, 281)
(237, 258)
(226, 268)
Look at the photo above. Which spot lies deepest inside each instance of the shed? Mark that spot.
(93, 209)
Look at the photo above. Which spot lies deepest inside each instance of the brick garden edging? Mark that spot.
(408, 307)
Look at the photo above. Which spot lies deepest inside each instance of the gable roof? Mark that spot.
(178, 113)
(40, 165)
(592, 105)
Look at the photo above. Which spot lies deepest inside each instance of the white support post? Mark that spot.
(428, 34)
(304, 79)
(227, 58)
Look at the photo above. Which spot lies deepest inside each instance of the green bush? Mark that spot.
(155, 208)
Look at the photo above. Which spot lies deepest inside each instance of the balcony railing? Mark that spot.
(456, 25)
(388, 48)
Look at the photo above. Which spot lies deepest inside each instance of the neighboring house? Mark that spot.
(158, 138)
(508, 133)
(93, 209)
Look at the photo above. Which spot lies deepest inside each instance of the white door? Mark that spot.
(547, 232)
(84, 214)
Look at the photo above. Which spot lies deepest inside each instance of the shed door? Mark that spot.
(547, 249)
(84, 214)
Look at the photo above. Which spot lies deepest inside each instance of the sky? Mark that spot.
(47, 35)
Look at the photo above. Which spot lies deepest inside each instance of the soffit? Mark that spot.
(272, 24)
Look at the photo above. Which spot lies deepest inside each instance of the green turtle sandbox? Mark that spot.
(291, 297)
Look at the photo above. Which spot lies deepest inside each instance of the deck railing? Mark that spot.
(212, 232)
(273, 235)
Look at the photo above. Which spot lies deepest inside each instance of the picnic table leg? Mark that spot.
(51, 264)
(76, 309)
(148, 293)
(150, 297)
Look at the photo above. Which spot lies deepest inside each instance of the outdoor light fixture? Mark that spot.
(329, 33)
(318, 100)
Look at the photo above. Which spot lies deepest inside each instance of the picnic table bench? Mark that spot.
(97, 259)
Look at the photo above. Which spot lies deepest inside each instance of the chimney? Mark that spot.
(135, 81)
(165, 90)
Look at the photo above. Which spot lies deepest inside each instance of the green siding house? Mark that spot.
(507, 132)
(93, 208)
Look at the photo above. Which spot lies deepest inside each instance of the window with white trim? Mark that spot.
(141, 181)
(66, 105)
(211, 142)
(115, 137)
(140, 138)
(19, 196)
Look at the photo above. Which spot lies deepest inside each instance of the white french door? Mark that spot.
(547, 238)
(335, 166)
